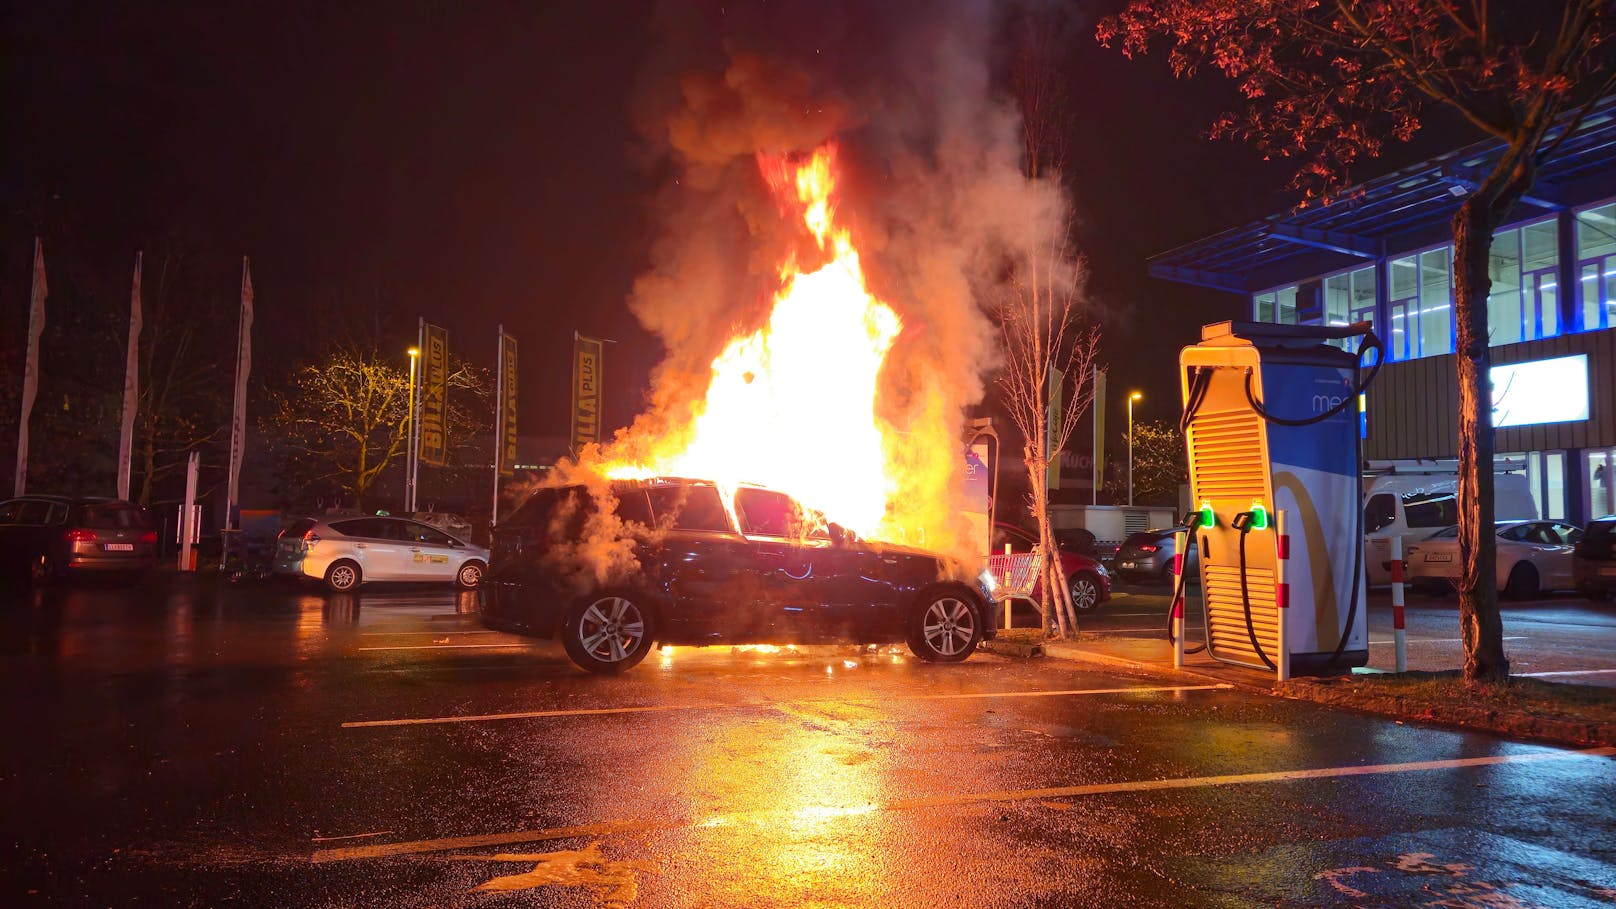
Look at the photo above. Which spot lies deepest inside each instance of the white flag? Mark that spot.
(238, 422)
(131, 387)
(30, 374)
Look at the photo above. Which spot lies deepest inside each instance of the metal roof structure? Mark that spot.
(1394, 213)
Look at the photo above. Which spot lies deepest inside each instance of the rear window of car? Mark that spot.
(114, 516)
(1600, 531)
(299, 527)
(693, 506)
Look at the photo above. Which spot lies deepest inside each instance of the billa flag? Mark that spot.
(131, 386)
(1052, 425)
(435, 397)
(507, 404)
(238, 420)
(586, 365)
(30, 371)
(1098, 407)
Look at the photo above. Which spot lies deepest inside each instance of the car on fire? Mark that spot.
(613, 569)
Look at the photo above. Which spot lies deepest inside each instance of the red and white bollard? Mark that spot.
(1282, 596)
(1399, 635)
(1180, 540)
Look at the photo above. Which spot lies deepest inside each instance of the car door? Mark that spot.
(777, 530)
(706, 569)
(432, 555)
(377, 545)
(1558, 561)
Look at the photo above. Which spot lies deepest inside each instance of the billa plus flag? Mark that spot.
(30, 373)
(435, 397)
(507, 404)
(586, 364)
(131, 386)
(238, 420)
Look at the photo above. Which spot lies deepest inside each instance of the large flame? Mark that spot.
(792, 405)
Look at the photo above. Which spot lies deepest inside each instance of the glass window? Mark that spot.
(1381, 511)
(10, 510)
(1004, 535)
(1436, 304)
(1262, 307)
(421, 533)
(1601, 473)
(1425, 509)
(634, 508)
(36, 512)
(1337, 298)
(1404, 285)
(1504, 300)
(1275, 306)
(1596, 256)
(692, 506)
(767, 513)
(1362, 307)
(113, 516)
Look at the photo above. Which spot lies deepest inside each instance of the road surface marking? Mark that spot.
(1538, 675)
(451, 646)
(412, 847)
(664, 708)
(393, 634)
(351, 836)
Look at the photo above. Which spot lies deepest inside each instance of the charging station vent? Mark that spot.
(1228, 468)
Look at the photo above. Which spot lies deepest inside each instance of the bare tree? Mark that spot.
(1041, 312)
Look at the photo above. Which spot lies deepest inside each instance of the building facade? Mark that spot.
(1382, 254)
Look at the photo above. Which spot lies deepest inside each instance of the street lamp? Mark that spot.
(1132, 397)
(409, 423)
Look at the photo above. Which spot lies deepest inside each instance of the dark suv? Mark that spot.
(47, 538)
(614, 569)
(1593, 562)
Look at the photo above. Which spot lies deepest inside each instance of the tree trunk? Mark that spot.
(1058, 581)
(1038, 479)
(1481, 626)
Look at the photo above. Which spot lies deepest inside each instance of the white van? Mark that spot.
(1415, 505)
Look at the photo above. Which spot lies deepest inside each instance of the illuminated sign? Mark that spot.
(1541, 391)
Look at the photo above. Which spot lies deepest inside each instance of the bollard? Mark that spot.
(1282, 552)
(1180, 541)
(1007, 600)
(1399, 635)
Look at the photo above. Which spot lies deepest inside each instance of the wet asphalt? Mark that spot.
(187, 744)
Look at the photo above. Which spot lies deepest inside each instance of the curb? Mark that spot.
(1068, 650)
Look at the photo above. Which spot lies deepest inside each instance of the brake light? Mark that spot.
(81, 536)
(149, 538)
(1147, 547)
(310, 538)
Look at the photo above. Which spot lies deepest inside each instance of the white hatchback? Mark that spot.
(347, 552)
(1533, 556)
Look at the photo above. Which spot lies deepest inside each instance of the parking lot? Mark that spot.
(187, 744)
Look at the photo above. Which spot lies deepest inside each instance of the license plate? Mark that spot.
(1439, 557)
(1125, 565)
(119, 547)
(1609, 572)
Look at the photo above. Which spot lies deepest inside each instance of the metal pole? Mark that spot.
(412, 462)
(1130, 449)
(1180, 542)
(188, 513)
(1399, 634)
(1282, 595)
(499, 424)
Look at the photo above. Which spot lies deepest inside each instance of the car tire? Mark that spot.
(343, 576)
(1085, 590)
(1166, 576)
(470, 575)
(945, 627)
(609, 632)
(1522, 583)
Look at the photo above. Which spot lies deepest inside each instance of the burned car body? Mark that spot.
(676, 561)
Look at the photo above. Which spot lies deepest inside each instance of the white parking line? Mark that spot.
(393, 634)
(452, 646)
(663, 708)
(1540, 675)
(411, 847)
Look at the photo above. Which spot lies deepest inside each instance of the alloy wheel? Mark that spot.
(611, 629)
(948, 626)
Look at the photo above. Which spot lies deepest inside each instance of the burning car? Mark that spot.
(612, 568)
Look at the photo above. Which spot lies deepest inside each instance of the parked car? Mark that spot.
(349, 551)
(1533, 556)
(1090, 582)
(1593, 561)
(683, 566)
(1148, 556)
(46, 538)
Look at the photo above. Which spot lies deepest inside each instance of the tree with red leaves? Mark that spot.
(1329, 81)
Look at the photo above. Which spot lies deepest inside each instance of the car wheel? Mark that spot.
(1085, 592)
(609, 633)
(342, 576)
(1522, 583)
(945, 629)
(1166, 577)
(470, 575)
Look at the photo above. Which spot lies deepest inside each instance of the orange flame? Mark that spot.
(792, 405)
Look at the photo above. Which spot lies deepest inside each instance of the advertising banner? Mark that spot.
(507, 405)
(238, 419)
(435, 397)
(586, 400)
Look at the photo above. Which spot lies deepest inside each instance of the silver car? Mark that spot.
(1148, 556)
(346, 552)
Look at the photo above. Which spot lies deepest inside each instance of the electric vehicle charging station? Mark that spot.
(1271, 424)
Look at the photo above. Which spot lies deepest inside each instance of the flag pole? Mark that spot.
(238, 420)
(131, 386)
(30, 375)
(412, 460)
(499, 424)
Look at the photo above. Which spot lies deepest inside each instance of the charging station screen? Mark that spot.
(1540, 391)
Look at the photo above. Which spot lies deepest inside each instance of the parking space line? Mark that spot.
(450, 646)
(392, 634)
(664, 708)
(414, 847)
(1539, 675)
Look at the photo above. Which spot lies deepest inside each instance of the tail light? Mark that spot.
(149, 538)
(310, 538)
(1147, 547)
(78, 535)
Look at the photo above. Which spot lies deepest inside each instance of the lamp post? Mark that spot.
(1132, 397)
(409, 423)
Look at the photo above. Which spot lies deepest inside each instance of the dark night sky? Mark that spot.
(476, 163)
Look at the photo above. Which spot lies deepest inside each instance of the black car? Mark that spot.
(612, 569)
(1593, 562)
(45, 538)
